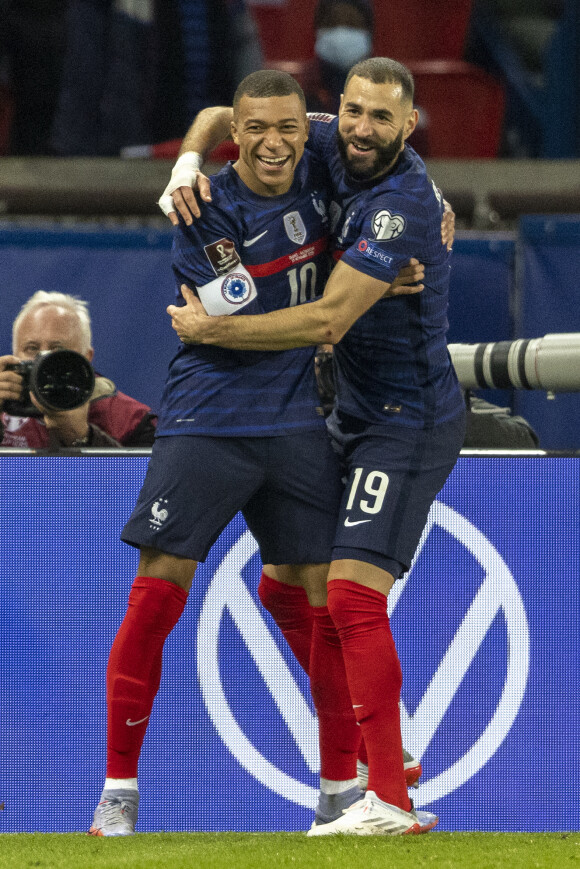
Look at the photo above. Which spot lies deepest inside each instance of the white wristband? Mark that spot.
(184, 174)
(189, 160)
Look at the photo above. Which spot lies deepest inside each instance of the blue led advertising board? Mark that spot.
(486, 623)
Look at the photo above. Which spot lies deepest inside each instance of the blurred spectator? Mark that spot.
(108, 79)
(528, 26)
(344, 35)
(32, 43)
(55, 321)
(205, 50)
(533, 46)
(88, 77)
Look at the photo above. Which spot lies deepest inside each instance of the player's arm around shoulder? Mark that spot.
(322, 135)
(209, 129)
(349, 293)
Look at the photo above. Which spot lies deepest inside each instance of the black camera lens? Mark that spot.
(62, 380)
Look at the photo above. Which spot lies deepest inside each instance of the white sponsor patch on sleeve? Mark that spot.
(228, 293)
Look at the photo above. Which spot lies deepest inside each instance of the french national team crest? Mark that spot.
(387, 226)
(294, 226)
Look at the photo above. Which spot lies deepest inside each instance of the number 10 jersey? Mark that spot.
(250, 254)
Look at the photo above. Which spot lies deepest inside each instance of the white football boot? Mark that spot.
(116, 814)
(373, 817)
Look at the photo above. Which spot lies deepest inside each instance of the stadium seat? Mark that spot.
(297, 68)
(286, 29)
(404, 29)
(464, 108)
(6, 114)
(462, 105)
(226, 151)
(421, 29)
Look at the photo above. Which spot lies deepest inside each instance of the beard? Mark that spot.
(385, 156)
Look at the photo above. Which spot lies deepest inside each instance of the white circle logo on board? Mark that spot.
(498, 593)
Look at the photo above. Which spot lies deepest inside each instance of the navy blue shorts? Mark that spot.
(288, 489)
(393, 474)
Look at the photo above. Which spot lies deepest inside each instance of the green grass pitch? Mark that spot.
(280, 850)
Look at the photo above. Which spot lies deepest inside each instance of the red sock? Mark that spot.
(288, 605)
(374, 678)
(134, 669)
(338, 732)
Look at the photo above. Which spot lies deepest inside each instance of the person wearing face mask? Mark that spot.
(344, 35)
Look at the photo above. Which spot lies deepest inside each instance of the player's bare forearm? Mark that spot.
(210, 128)
(301, 326)
(348, 294)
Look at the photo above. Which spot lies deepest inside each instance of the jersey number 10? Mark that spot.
(302, 284)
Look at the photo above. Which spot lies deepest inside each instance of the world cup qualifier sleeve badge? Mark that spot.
(222, 255)
(229, 293)
(387, 226)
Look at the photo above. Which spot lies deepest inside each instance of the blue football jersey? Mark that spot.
(250, 254)
(393, 364)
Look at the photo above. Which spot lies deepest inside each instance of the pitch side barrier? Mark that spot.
(487, 623)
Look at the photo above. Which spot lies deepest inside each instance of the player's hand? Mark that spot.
(179, 195)
(409, 280)
(448, 226)
(188, 321)
(10, 381)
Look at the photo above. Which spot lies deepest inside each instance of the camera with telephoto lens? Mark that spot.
(59, 380)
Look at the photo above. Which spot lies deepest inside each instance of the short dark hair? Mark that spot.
(268, 83)
(380, 70)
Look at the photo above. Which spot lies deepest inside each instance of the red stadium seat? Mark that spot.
(404, 29)
(6, 113)
(296, 68)
(286, 29)
(462, 105)
(464, 108)
(421, 29)
(224, 152)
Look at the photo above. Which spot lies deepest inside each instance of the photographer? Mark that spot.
(54, 321)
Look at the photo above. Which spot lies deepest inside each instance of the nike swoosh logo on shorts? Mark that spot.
(250, 241)
(130, 723)
(349, 524)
